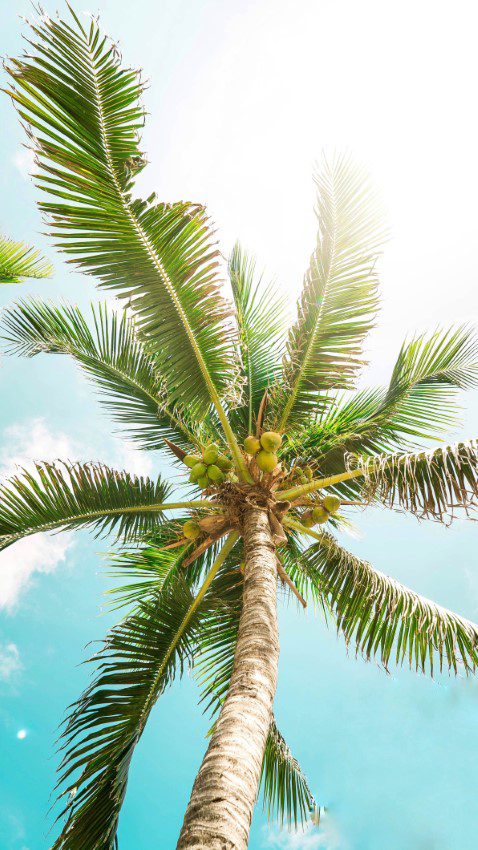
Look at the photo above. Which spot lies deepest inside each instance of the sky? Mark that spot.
(243, 98)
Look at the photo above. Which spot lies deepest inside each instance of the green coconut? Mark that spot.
(320, 514)
(191, 460)
(210, 454)
(215, 474)
(203, 482)
(271, 441)
(191, 530)
(266, 461)
(252, 445)
(224, 463)
(198, 470)
(331, 504)
(307, 519)
(307, 470)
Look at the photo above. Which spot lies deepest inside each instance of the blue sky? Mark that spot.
(243, 97)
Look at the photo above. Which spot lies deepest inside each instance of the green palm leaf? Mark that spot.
(385, 618)
(151, 566)
(339, 299)
(84, 113)
(110, 353)
(214, 658)
(139, 659)
(66, 495)
(429, 483)
(420, 401)
(260, 312)
(18, 262)
(419, 404)
(287, 796)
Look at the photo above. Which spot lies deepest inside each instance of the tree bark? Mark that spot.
(224, 794)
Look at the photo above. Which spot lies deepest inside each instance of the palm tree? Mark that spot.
(272, 432)
(18, 262)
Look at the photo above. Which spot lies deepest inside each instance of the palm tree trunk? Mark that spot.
(220, 810)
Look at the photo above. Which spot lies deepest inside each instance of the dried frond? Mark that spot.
(383, 617)
(427, 483)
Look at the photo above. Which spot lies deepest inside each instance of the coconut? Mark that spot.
(320, 514)
(307, 470)
(203, 482)
(215, 474)
(271, 441)
(223, 463)
(331, 503)
(252, 445)
(198, 470)
(266, 461)
(210, 454)
(307, 519)
(191, 530)
(191, 460)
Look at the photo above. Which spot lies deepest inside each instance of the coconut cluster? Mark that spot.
(264, 449)
(209, 468)
(321, 513)
(301, 474)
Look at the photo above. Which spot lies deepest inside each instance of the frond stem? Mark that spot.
(318, 484)
(160, 269)
(286, 579)
(228, 545)
(295, 389)
(49, 526)
(297, 526)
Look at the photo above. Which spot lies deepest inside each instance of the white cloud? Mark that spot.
(35, 554)
(132, 460)
(9, 661)
(21, 444)
(32, 440)
(24, 161)
(324, 837)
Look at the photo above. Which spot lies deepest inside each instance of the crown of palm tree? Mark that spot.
(182, 369)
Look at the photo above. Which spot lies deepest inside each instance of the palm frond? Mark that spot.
(419, 404)
(260, 312)
(19, 261)
(339, 300)
(152, 565)
(386, 619)
(287, 795)
(84, 113)
(214, 658)
(110, 353)
(139, 659)
(291, 559)
(431, 483)
(350, 424)
(70, 495)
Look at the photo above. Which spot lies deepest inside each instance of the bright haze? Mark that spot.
(243, 98)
